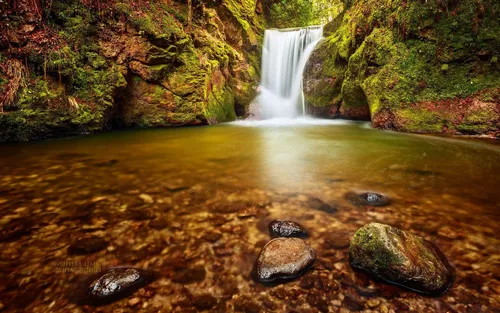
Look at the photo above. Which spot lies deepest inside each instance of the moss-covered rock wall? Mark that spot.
(417, 66)
(83, 66)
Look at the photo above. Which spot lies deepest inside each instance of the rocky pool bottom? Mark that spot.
(192, 207)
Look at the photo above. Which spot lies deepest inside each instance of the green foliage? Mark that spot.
(289, 13)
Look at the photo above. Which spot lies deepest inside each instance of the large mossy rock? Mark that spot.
(127, 65)
(401, 258)
(418, 67)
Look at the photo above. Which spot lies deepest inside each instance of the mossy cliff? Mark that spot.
(417, 66)
(83, 66)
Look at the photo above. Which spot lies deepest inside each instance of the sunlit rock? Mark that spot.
(401, 258)
(283, 259)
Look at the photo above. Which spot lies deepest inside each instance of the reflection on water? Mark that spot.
(193, 205)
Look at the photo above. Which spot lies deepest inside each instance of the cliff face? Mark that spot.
(82, 66)
(417, 66)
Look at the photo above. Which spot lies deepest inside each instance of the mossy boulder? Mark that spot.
(401, 258)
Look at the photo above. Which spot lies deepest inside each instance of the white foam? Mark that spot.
(286, 122)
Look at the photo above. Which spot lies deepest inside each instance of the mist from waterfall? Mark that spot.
(284, 57)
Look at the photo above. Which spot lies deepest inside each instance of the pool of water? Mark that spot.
(193, 205)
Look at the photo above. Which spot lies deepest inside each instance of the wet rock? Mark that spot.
(283, 259)
(87, 245)
(353, 303)
(108, 163)
(286, 229)
(189, 275)
(140, 214)
(367, 199)
(317, 301)
(15, 229)
(204, 301)
(159, 223)
(245, 304)
(320, 205)
(401, 258)
(113, 284)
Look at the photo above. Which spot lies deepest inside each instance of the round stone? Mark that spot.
(283, 259)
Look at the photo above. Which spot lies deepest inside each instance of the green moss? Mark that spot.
(220, 100)
(421, 121)
(477, 121)
(371, 242)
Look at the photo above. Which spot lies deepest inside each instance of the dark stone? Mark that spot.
(140, 214)
(189, 275)
(320, 205)
(353, 303)
(283, 259)
(367, 199)
(212, 236)
(316, 301)
(108, 163)
(159, 223)
(87, 245)
(401, 258)
(113, 284)
(286, 229)
(16, 229)
(244, 304)
(204, 301)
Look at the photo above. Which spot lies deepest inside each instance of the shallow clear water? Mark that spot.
(198, 200)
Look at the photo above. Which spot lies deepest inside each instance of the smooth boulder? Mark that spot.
(283, 259)
(401, 258)
(286, 229)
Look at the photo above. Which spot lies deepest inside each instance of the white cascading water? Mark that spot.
(284, 57)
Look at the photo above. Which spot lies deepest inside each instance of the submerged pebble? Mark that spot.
(87, 245)
(320, 205)
(283, 259)
(286, 229)
(401, 258)
(367, 199)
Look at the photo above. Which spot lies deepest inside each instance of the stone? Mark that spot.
(401, 258)
(320, 205)
(283, 259)
(367, 199)
(204, 301)
(189, 275)
(113, 284)
(286, 229)
(146, 198)
(16, 229)
(87, 245)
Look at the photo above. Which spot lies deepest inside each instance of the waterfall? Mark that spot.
(284, 57)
